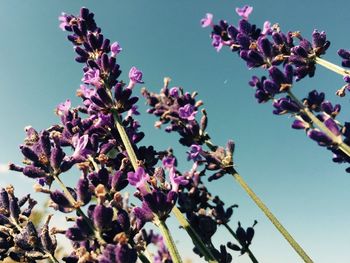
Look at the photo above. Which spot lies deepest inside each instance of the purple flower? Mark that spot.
(331, 110)
(217, 42)
(187, 112)
(85, 92)
(139, 178)
(92, 77)
(194, 153)
(345, 55)
(115, 49)
(161, 203)
(333, 127)
(285, 105)
(300, 124)
(260, 94)
(267, 28)
(60, 198)
(33, 172)
(123, 253)
(64, 21)
(80, 147)
(244, 11)
(319, 42)
(324, 140)
(320, 137)
(169, 162)
(314, 100)
(102, 216)
(174, 92)
(133, 111)
(207, 20)
(135, 76)
(63, 107)
(175, 180)
(143, 215)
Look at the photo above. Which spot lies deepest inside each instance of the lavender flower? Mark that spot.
(194, 153)
(187, 112)
(19, 238)
(139, 178)
(207, 21)
(115, 49)
(244, 12)
(269, 48)
(160, 203)
(135, 76)
(176, 180)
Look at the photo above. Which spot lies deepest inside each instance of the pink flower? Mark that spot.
(267, 28)
(244, 11)
(217, 42)
(135, 76)
(63, 107)
(64, 21)
(187, 112)
(92, 77)
(115, 49)
(139, 178)
(207, 20)
(176, 180)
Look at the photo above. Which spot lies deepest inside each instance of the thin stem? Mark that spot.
(341, 145)
(180, 217)
(53, 259)
(250, 253)
(143, 258)
(272, 218)
(73, 202)
(174, 253)
(333, 67)
(125, 139)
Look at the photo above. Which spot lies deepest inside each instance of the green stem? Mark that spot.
(336, 139)
(272, 218)
(180, 217)
(250, 253)
(335, 68)
(174, 253)
(143, 258)
(125, 139)
(53, 259)
(80, 212)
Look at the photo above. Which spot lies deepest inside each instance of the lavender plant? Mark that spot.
(288, 57)
(100, 139)
(178, 108)
(20, 240)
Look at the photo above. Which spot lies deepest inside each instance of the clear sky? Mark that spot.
(295, 177)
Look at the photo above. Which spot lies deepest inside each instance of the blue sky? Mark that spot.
(295, 177)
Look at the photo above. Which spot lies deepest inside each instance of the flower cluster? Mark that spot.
(178, 108)
(100, 138)
(19, 238)
(174, 106)
(89, 139)
(269, 46)
(345, 55)
(287, 57)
